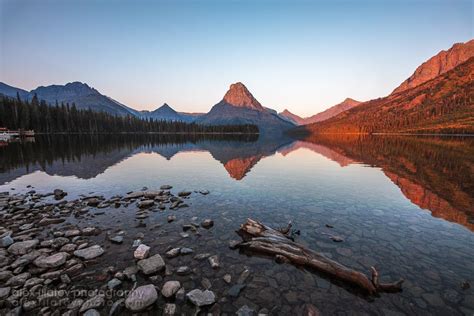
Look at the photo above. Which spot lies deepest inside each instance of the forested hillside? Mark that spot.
(66, 118)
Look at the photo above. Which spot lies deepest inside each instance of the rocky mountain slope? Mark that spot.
(441, 105)
(439, 64)
(240, 107)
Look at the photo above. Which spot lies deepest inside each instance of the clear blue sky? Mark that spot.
(301, 55)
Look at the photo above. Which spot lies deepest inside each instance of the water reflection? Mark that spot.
(434, 173)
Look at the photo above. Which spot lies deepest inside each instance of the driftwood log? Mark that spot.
(260, 238)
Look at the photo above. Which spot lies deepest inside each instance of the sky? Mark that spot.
(301, 55)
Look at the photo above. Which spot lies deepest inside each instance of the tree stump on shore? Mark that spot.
(260, 238)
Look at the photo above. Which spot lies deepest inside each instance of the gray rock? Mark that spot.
(94, 302)
(201, 298)
(89, 253)
(91, 312)
(141, 252)
(72, 233)
(245, 311)
(141, 298)
(117, 307)
(174, 252)
(65, 278)
(76, 303)
(207, 223)
(243, 276)
(90, 231)
(183, 270)
(214, 261)
(151, 265)
(23, 247)
(4, 292)
(19, 279)
(6, 240)
(166, 187)
(52, 261)
(170, 288)
(145, 203)
(227, 278)
(116, 239)
(234, 291)
(184, 193)
(186, 251)
(112, 284)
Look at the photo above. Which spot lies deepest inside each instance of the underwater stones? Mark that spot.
(170, 288)
(166, 187)
(89, 253)
(6, 240)
(141, 298)
(214, 261)
(141, 252)
(183, 270)
(22, 247)
(201, 298)
(235, 290)
(172, 253)
(145, 203)
(59, 194)
(151, 265)
(94, 302)
(207, 223)
(52, 261)
(184, 193)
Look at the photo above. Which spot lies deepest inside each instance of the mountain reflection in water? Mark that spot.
(435, 173)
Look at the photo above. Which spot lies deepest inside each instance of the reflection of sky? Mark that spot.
(304, 55)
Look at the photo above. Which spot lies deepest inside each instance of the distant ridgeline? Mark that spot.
(65, 118)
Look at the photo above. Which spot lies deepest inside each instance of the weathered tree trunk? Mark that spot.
(263, 239)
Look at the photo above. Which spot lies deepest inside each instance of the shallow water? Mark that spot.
(403, 204)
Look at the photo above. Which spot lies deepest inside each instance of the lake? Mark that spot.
(404, 204)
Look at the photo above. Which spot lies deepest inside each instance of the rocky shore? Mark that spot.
(53, 263)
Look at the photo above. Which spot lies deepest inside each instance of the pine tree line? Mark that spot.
(66, 118)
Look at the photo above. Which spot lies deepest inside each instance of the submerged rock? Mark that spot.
(170, 288)
(89, 253)
(52, 261)
(201, 298)
(207, 223)
(141, 298)
(23, 247)
(141, 252)
(151, 265)
(214, 261)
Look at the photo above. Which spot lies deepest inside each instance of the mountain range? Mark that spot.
(345, 105)
(437, 97)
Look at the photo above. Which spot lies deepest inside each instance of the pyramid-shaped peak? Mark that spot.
(238, 95)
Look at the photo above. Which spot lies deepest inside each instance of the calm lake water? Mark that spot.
(403, 204)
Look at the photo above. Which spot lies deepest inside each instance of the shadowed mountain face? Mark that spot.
(240, 107)
(166, 113)
(83, 96)
(433, 173)
(12, 92)
(439, 64)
